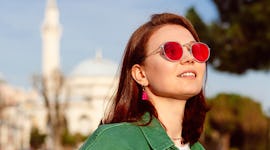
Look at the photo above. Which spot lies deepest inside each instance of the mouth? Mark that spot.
(189, 74)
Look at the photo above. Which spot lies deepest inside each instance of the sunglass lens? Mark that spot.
(200, 52)
(173, 50)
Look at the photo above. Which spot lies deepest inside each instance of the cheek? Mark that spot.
(202, 69)
(152, 66)
(159, 73)
(202, 73)
(156, 71)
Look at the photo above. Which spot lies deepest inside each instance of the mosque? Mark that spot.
(88, 86)
(89, 83)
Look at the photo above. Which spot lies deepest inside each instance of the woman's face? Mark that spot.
(179, 79)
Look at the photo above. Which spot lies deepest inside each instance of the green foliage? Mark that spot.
(230, 112)
(72, 140)
(239, 116)
(198, 22)
(239, 40)
(37, 139)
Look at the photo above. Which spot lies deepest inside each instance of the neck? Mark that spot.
(170, 113)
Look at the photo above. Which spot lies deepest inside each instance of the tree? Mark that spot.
(239, 39)
(238, 121)
(55, 107)
(37, 139)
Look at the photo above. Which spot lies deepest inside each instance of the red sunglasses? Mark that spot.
(173, 51)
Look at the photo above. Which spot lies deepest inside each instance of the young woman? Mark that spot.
(159, 102)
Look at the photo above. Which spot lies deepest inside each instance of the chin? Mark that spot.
(191, 91)
(188, 94)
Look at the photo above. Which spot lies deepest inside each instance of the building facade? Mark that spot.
(86, 89)
(15, 117)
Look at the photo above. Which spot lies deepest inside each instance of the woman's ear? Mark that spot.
(138, 74)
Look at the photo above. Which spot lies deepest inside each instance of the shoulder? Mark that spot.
(197, 146)
(115, 129)
(112, 136)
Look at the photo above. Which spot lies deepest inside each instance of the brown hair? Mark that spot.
(127, 105)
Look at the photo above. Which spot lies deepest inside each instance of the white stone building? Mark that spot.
(87, 88)
(90, 85)
(15, 116)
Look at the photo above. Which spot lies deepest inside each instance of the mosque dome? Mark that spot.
(97, 66)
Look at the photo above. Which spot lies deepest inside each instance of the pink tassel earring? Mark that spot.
(144, 94)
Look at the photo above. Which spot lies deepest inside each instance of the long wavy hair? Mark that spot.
(127, 105)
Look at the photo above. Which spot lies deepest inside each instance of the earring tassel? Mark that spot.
(144, 96)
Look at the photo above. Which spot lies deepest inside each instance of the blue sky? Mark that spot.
(89, 25)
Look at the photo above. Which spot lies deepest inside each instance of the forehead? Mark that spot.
(167, 33)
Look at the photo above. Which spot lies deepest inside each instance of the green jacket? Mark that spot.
(129, 136)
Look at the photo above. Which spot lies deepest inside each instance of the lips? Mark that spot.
(187, 74)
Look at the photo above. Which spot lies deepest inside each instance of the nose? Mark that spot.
(187, 57)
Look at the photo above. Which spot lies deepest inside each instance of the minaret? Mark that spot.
(51, 34)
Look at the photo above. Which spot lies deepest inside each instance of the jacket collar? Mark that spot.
(155, 134)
